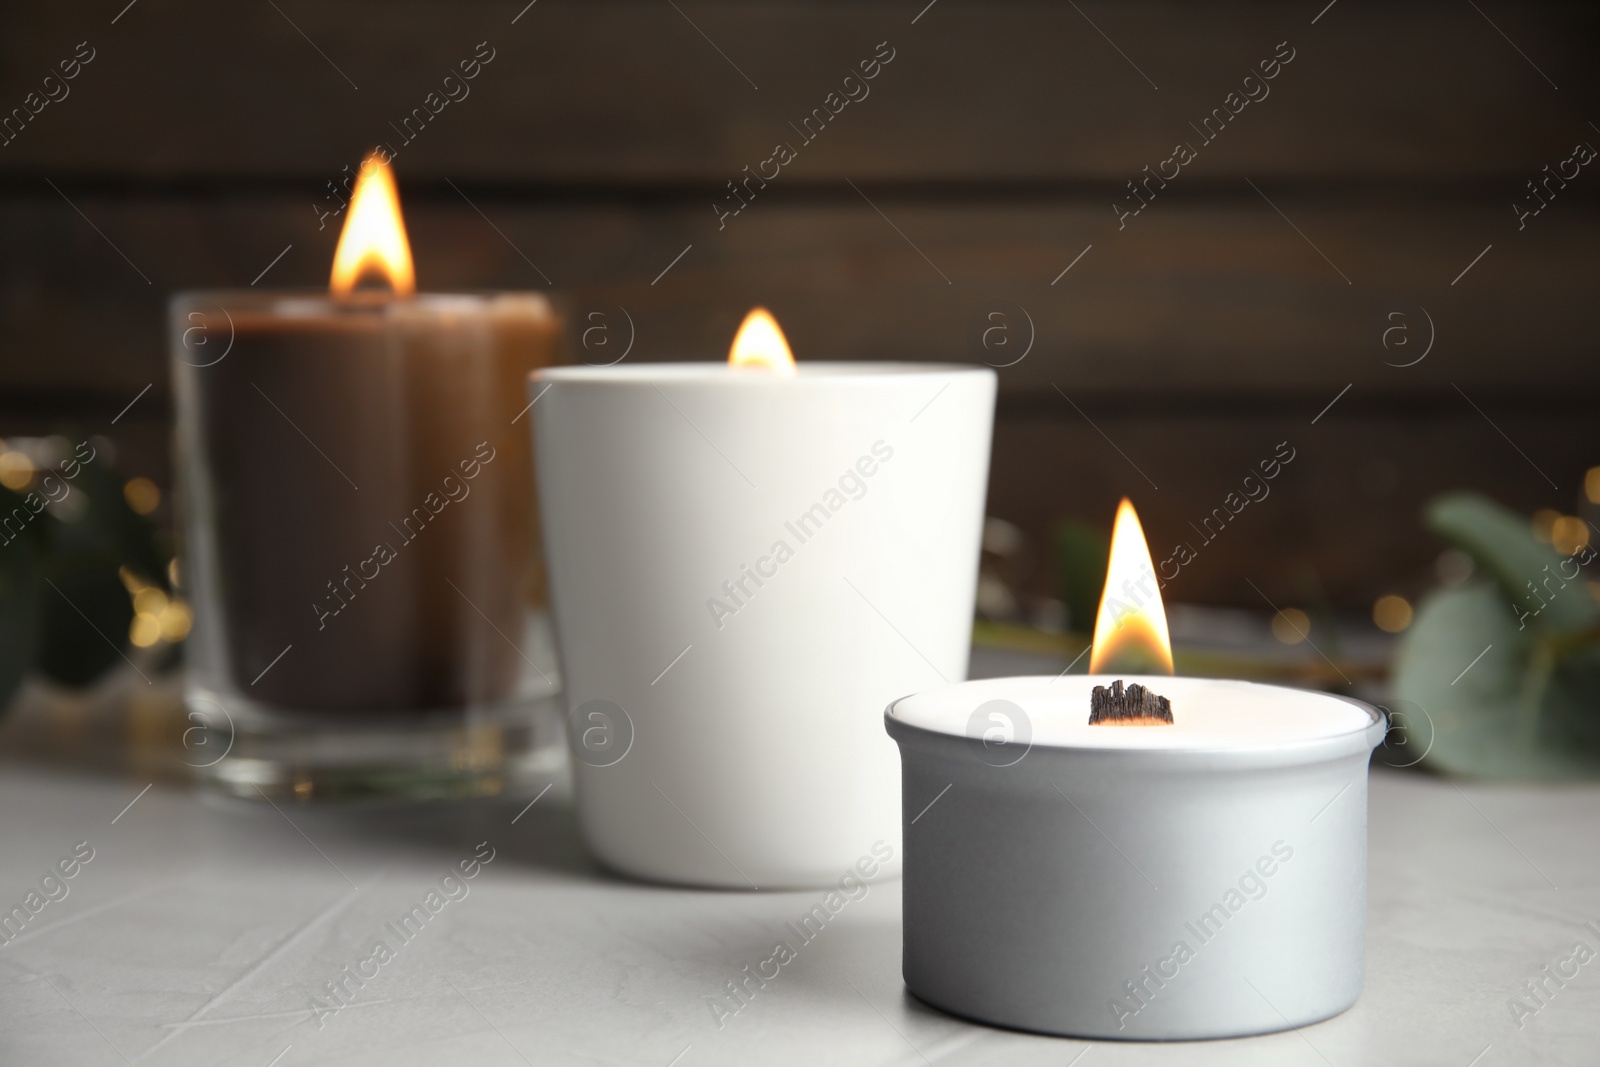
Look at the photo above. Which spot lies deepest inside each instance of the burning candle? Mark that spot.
(1125, 855)
(358, 521)
(747, 562)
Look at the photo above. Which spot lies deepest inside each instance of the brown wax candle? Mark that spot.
(358, 495)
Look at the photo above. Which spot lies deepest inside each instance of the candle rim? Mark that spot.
(720, 373)
(1175, 741)
(320, 301)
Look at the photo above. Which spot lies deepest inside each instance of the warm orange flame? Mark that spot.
(1130, 632)
(760, 343)
(374, 237)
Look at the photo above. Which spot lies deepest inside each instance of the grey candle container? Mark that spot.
(1135, 895)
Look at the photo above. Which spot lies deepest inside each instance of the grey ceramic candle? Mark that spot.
(1199, 879)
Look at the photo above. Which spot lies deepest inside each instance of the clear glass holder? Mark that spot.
(492, 752)
(243, 748)
(360, 544)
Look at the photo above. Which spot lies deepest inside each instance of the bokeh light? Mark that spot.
(142, 495)
(1392, 613)
(144, 631)
(1291, 626)
(1569, 535)
(16, 470)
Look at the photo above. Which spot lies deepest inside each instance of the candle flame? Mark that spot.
(760, 343)
(374, 237)
(1130, 631)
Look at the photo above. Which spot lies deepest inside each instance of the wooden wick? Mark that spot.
(1134, 706)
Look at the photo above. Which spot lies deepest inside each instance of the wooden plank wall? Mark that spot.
(934, 217)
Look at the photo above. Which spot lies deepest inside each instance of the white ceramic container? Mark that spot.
(745, 568)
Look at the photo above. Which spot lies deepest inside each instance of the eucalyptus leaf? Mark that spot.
(64, 610)
(1492, 700)
(1531, 573)
(83, 618)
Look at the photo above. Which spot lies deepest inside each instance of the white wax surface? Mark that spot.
(718, 372)
(1208, 714)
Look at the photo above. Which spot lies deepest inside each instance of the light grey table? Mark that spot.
(202, 930)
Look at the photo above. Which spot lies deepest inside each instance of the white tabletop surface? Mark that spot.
(201, 930)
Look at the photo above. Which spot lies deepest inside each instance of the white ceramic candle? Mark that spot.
(745, 567)
(1202, 879)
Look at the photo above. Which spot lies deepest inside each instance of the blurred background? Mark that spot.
(1379, 261)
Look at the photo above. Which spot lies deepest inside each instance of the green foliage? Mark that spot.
(1081, 555)
(1500, 677)
(64, 610)
(19, 598)
(82, 623)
